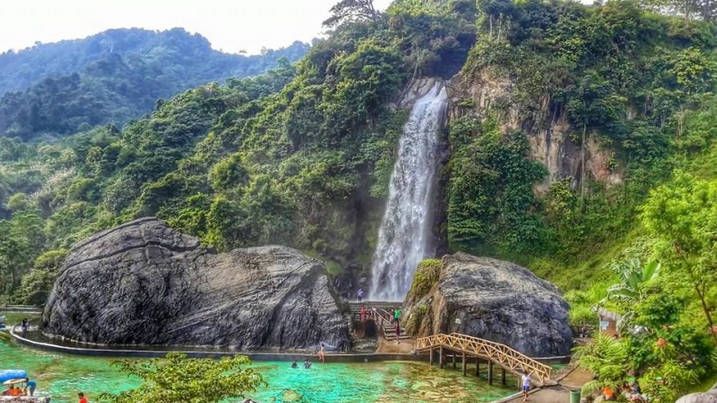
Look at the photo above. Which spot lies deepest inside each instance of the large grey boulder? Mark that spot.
(494, 300)
(145, 283)
(707, 397)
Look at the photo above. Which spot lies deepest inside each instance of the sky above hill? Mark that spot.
(230, 25)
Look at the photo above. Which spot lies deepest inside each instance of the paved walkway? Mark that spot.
(554, 394)
(576, 378)
(561, 392)
(391, 347)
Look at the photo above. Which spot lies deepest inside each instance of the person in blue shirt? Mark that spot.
(31, 386)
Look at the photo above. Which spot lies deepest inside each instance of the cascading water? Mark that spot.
(403, 236)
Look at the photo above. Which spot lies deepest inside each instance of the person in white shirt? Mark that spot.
(525, 381)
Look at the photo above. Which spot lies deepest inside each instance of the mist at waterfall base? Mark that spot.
(403, 238)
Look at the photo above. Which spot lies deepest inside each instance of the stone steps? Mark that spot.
(385, 310)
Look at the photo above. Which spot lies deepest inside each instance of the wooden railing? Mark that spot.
(384, 320)
(381, 313)
(508, 358)
(20, 308)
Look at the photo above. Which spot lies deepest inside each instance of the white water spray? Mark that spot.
(404, 234)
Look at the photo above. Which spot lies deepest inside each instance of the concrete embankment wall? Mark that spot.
(256, 356)
(99, 351)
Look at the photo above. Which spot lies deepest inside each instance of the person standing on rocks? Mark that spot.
(322, 354)
(525, 380)
(359, 294)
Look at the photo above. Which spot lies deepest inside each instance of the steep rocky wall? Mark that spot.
(553, 141)
(144, 283)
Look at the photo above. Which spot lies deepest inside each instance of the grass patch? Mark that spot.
(706, 384)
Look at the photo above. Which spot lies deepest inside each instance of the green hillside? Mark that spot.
(112, 77)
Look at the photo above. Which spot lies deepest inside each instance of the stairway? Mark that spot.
(380, 312)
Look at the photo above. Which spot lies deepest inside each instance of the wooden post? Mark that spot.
(502, 376)
(440, 357)
(430, 357)
(464, 363)
(490, 372)
(478, 367)
(454, 360)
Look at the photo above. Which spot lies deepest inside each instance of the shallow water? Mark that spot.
(64, 375)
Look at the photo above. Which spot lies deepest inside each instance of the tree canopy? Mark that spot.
(177, 378)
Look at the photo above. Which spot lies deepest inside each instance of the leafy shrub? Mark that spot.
(176, 378)
(426, 276)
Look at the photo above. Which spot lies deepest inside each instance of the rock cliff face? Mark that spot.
(494, 300)
(549, 133)
(144, 283)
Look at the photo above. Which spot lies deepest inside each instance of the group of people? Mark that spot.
(27, 390)
(631, 392)
(364, 314)
(307, 364)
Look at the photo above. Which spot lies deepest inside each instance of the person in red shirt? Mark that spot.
(82, 397)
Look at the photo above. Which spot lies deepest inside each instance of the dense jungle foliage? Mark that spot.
(111, 77)
(302, 156)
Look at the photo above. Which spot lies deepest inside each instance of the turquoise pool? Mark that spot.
(64, 375)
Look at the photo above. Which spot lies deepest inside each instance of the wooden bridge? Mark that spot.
(467, 346)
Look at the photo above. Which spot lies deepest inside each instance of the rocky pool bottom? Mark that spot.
(62, 376)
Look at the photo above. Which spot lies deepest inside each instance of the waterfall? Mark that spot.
(403, 238)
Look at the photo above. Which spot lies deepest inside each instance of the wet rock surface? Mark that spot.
(494, 300)
(145, 283)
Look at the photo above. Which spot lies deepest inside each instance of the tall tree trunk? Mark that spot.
(680, 121)
(582, 166)
(698, 285)
(707, 10)
(500, 26)
(13, 279)
(701, 295)
(490, 26)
